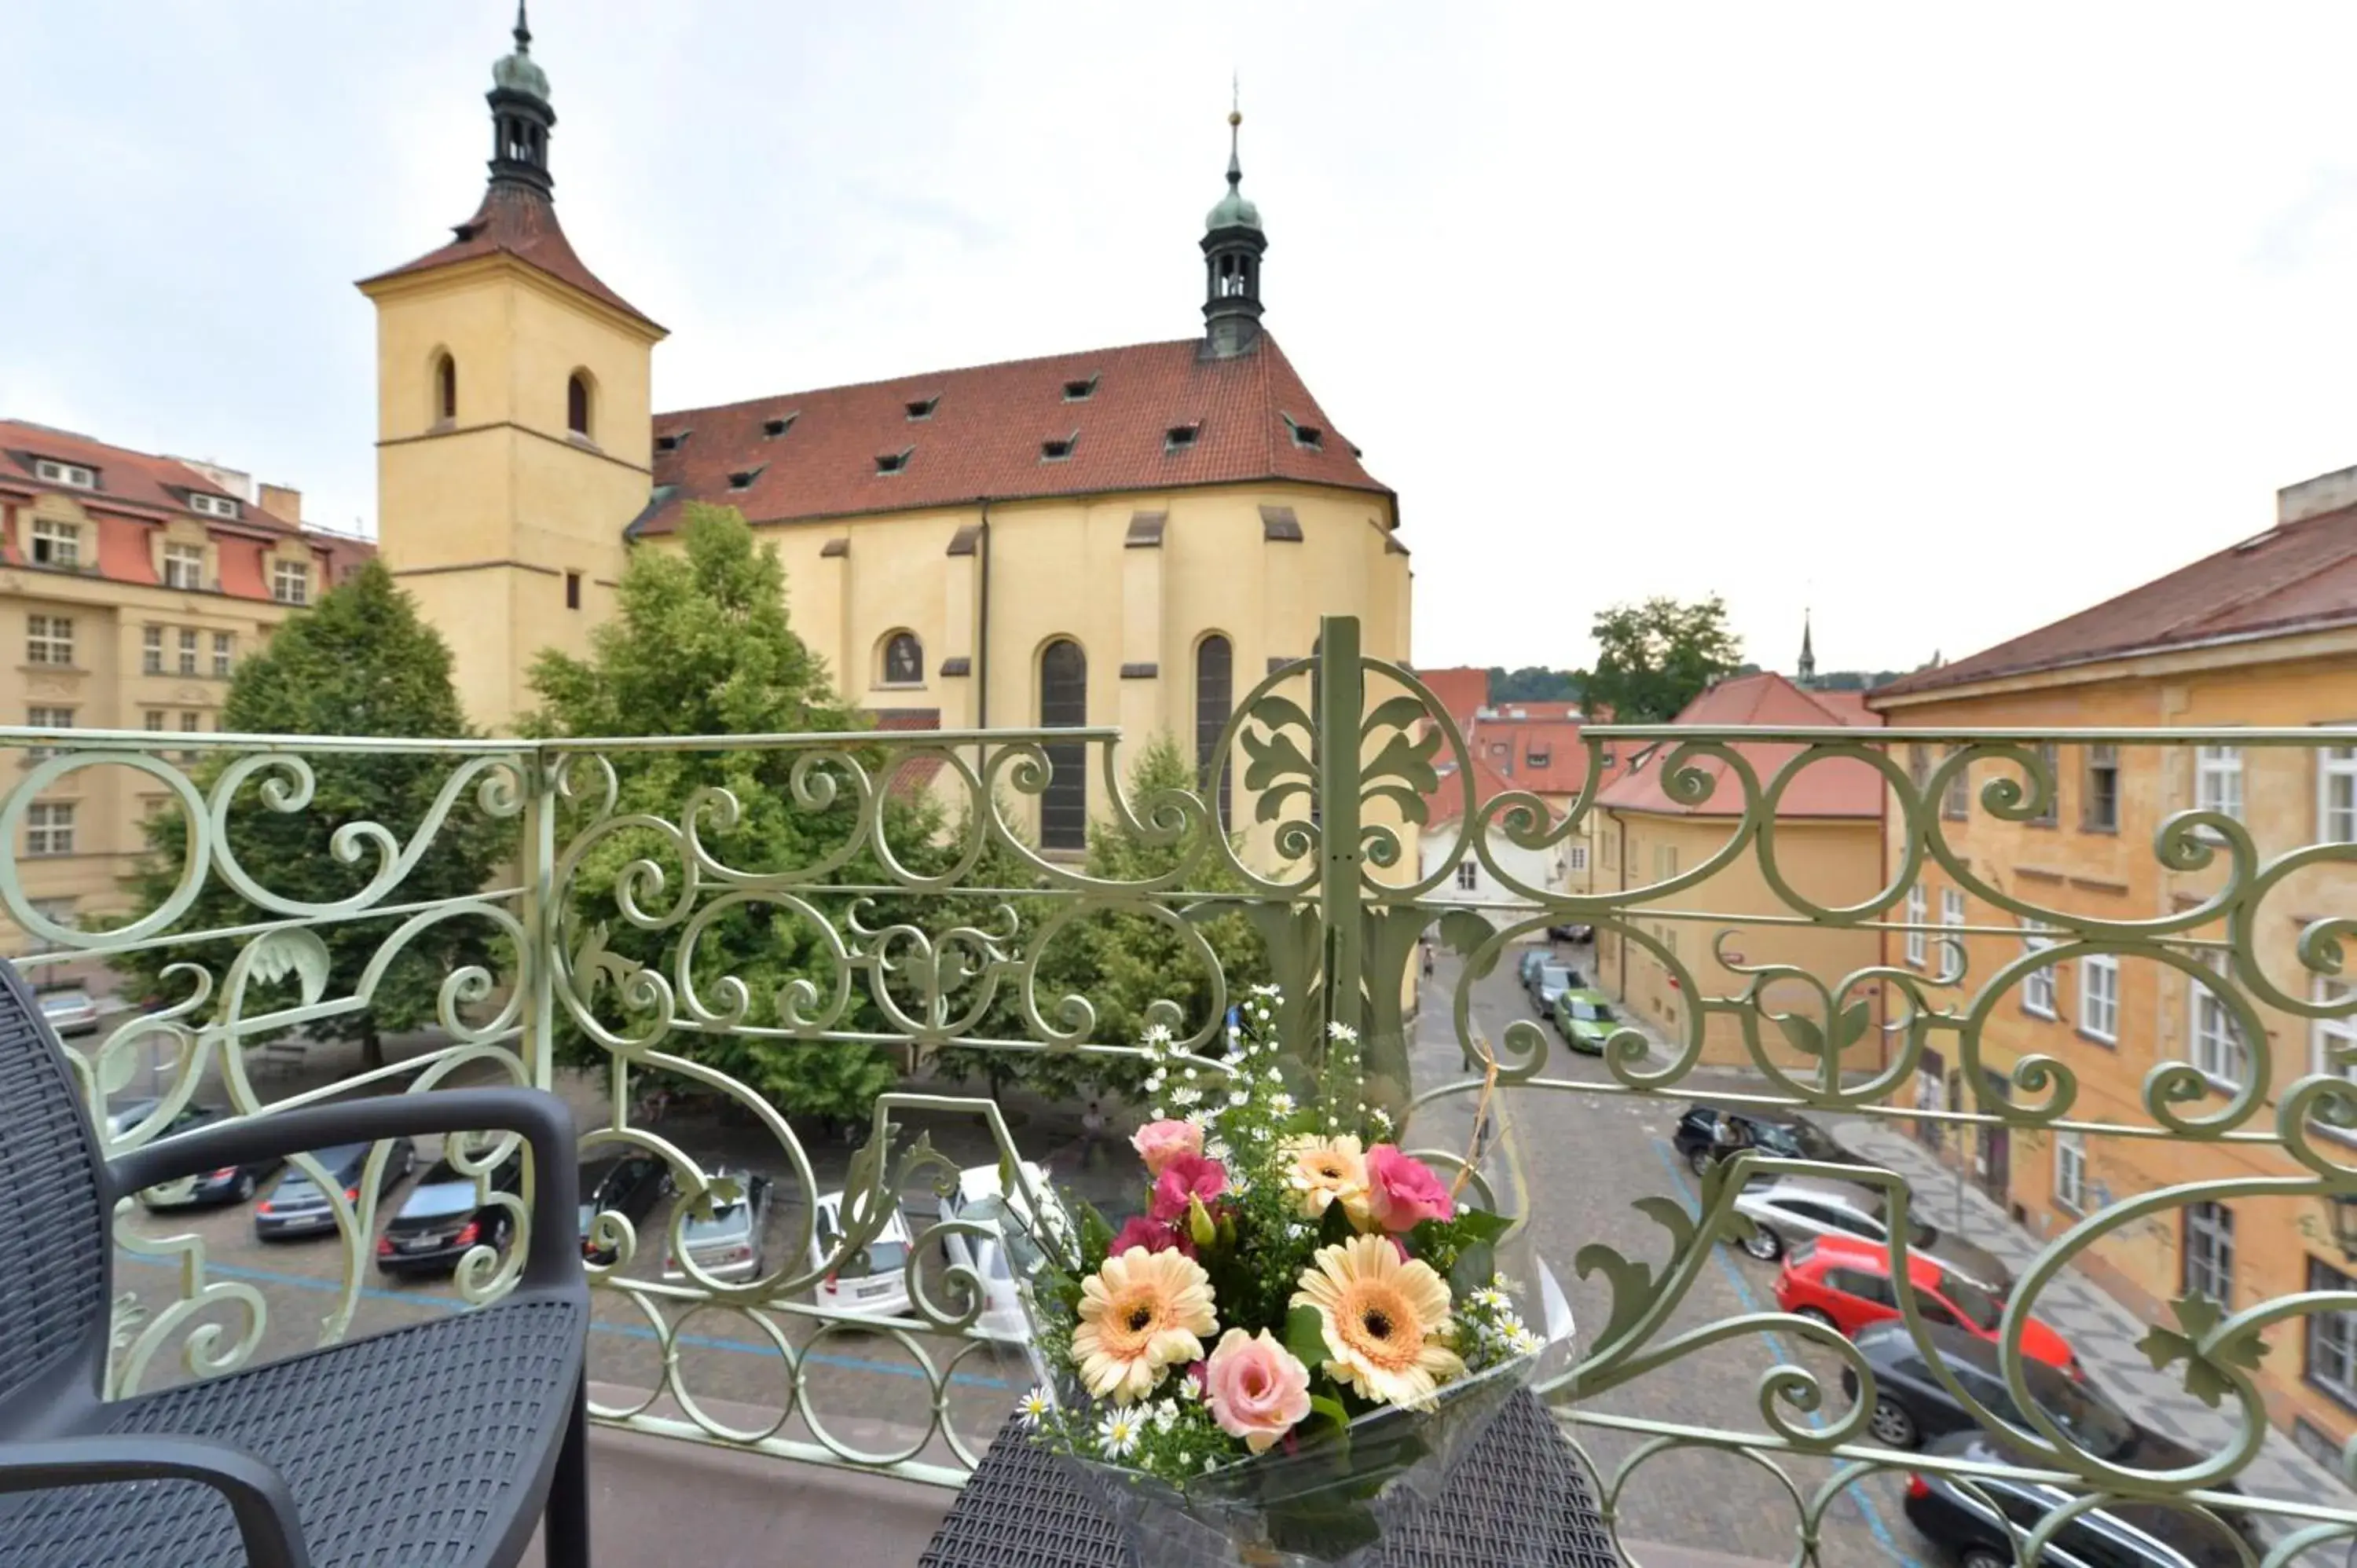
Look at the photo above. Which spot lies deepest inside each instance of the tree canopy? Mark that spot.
(1533, 683)
(1654, 659)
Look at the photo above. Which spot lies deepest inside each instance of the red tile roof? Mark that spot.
(137, 491)
(1446, 801)
(982, 436)
(1463, 691)
(2300, 577)
(1838, 787)
(1565, 767)
(518, 221)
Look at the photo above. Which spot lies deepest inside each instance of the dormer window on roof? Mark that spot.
(922, 407)
(773, 428)
(1080, 392)
(1308, 435)
(56, 473)
(1056, 448)
(742, 480)
(673, 441)
(1179, 437)
(893, 462)
(212, 506)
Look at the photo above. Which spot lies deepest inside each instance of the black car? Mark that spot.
(1912, 1407)
(300, 1207)
(629, 1185)
(2122, 1535)
(440, 1222)
(227, 1184)
(1773, 1131)
(1575, 933)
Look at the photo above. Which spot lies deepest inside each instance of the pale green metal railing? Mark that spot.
(1330, 801)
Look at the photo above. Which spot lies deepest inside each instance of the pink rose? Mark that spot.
(1185, 1177)
(1151, 1234)
(1257, 1389)
(1160, 1143)
(1402, 1192)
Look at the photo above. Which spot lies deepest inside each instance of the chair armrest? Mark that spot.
(544, 1121)
(256, 1494)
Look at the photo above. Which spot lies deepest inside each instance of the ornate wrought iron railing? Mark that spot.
(901, 920)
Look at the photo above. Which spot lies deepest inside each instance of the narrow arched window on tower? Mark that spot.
(1216, 684)
(1064, 704)
(577, 404)
(446, 388)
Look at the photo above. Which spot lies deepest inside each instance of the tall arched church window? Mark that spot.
(1064, 704)
(446, 388)
(577, 404)
(1215, 699)
(904, 660)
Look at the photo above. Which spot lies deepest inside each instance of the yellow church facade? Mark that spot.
(1133, 536)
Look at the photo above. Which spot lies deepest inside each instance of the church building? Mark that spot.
(1130, 535)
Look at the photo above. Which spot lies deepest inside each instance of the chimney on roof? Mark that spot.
(2312, 498)
(283, 503)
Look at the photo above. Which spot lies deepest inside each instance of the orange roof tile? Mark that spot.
(984, 433)
(1446, 801)
(1463, 691)
(516, 220)
(1838, 787)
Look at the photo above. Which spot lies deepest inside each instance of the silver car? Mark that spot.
(1788, 1211)
(70, 1010)
(728, 1245)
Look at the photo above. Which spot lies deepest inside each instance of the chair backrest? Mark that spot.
(54, 1280)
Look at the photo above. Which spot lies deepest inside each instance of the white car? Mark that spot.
(728, 1245)
(70, 1010)
(873, 1280)
(1001, 1256)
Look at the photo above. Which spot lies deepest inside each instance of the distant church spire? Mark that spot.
(1807, 669)
(1234, 243)
(521, 116)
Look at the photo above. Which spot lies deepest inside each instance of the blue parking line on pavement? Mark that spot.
(620, 1330)
(1743, 1290)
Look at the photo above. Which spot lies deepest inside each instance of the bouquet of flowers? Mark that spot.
(1294, 1342)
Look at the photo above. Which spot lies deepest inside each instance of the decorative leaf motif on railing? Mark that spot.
(2207, 1357)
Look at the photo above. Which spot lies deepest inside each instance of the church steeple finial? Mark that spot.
(521, 115)
(1234, 243)
(1806, 672)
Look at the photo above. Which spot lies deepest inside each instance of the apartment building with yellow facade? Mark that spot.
(1719, 931)
(130, 587)
(2263, 633)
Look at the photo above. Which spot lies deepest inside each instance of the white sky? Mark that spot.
(1946, 324)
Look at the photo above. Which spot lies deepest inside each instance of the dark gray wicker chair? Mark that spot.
(432, 1446)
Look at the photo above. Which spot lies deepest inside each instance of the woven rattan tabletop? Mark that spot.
(1518, 1500)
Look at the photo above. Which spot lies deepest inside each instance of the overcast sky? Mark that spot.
(1945, 324)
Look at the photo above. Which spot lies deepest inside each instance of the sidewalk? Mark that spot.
(2102, 1331)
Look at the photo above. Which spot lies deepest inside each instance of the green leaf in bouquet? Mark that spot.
(1476, 1265)
(1305, 1335)
(1326, 1405)
(1335, 1228)
(1096, 1236)
(1474, 1225)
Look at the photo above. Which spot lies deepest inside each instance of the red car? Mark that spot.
(1847, 1283)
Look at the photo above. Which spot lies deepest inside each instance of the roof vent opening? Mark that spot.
(1179, 437)
(893, 462)
(1080, 392)
(742, 480)
(2256, 540)
(672, 442)
(922, 407)
(1056, 448)
(773, 428)
(1309, 435)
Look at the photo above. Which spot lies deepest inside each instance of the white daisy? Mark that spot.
(1382, 1120)
(1523, 1342)
(1034, 1405)
(1185, 1096)
(1341, 1031)
(1117, 1433)
(1166, 1415)
(1281, 1104)
(1486, 1296)
(1239, 1097)
(1188, 1075)
(1266, 990)
(1218, 1150)
(1157, 1112)
(1157, 1033)
(1211, 1462)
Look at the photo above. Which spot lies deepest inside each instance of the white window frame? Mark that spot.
(185, 658)
(290, 581)
(46, 718)
(2324, 1034)
(2217, 1263)
(2099, 997)
(1919, 914)
(2335, 1331)
(224, 654)
(49, 471)
(1468, 875)
(49, 828)
(2336, 795)
(184, 566)
(2071, 1171)
(50, 639)
(212, 506)
(1577, 859)
(151, 651)
(2214, 1042)
(2218, 780)
(57, 542)
(1952, 913)
(2039, 998)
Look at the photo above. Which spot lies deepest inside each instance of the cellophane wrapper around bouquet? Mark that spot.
(1293, 1347)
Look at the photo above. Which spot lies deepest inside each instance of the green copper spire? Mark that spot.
(519, 72)
(1235, 210)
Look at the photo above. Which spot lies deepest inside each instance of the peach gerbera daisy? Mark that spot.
(1382, 1317)
(1322, 1170)
(1140, 1312)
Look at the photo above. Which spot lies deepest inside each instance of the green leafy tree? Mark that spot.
(360, 662)
(1654, 659)
(1533, 683)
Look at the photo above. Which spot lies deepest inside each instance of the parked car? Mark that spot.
(628, 1184)
(68, 1010)
(227, 1184)
(1584, 1019)
(1783, 1133)
(1554, 980)
(2119, 1535)
(1788, 1211)
(298, 1206)
(1847, 1283)
(727, 1246)
(998, 1257)
(1912, 1407)
(1526, 968)
(870, 1279)
(441, 1219)
(1571, 933)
